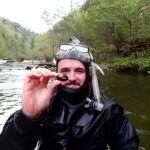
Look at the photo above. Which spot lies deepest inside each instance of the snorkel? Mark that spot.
(76, 50)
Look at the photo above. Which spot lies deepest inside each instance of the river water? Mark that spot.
(131, 90)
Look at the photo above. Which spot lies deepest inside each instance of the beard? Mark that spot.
(74, 95)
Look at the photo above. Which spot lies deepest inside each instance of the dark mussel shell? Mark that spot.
(62, 77)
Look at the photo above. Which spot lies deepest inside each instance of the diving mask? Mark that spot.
(69, 47)
(74, 51)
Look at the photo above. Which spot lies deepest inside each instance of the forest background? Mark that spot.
(117, 32)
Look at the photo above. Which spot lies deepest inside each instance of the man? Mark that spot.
(67, 115)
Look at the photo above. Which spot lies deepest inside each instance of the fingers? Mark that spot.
(40, 73)
(53, 85)
(32, 75)
(45, 72)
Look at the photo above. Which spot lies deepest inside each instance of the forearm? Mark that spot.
(19, 133)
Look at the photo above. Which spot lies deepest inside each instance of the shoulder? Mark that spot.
(111, 107)
(120, 130)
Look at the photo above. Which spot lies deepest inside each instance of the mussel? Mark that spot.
(62, 77)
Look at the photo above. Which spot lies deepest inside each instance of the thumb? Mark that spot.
(53, 85)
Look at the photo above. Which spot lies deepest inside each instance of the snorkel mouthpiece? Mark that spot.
(78, 51)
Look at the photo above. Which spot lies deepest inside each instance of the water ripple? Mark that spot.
(11, 83)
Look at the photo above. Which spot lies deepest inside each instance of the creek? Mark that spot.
(131, 90)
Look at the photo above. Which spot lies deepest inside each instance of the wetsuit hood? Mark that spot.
(74, 96)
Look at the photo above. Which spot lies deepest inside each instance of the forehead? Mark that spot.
(70, 63)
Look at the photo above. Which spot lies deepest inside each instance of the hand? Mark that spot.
(36, 91)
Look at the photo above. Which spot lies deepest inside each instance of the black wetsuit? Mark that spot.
(68, 125)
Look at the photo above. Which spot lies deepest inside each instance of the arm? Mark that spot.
(19, 133)
(122, 134)
(22, 129)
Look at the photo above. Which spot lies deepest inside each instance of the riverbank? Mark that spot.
(120, 64)
(126, 64)
(26, 64)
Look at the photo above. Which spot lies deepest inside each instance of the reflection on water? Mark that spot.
(132, 91)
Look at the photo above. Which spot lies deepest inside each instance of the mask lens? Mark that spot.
(74, 47)
(66, 47)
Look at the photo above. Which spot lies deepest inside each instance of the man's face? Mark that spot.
(75, 71)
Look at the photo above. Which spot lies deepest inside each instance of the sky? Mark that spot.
(28, 13)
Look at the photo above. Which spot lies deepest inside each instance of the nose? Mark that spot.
(72, 76)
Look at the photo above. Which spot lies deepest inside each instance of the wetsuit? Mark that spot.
(67, 125)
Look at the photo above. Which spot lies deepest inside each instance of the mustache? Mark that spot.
(72, 83)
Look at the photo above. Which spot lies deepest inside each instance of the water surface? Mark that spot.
(131, 90)
(11, 83)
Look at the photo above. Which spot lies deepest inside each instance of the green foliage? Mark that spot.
(15, 41)
(107, 22)
(103, 47)
(108, 27)
(130, 64)
(42, 49)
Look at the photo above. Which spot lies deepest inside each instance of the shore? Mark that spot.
(127, 64)
(26, 64)
(117, 65)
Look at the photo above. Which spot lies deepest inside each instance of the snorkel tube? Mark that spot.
(76, 50)
(97, 103)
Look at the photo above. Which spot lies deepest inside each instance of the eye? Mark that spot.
(64, 70)
(80, 70)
